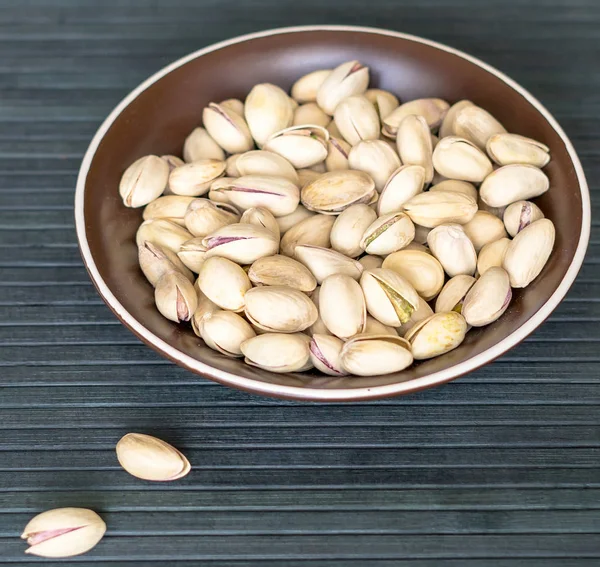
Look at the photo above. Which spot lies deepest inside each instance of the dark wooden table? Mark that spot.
(500, 468)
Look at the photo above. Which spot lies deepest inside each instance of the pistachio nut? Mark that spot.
(310, 114)
(414, 144)
(302, 146)
(402, 185)
(192, 253)
(163, 233)
(63, 532)
(456, 186)
(453, 294)
(511, 183)
(233, 104)
(241, 243)
(280, 270)
(149, 458)
(370, 262)
(227, 128)
(349, 227)
(372, 355)
(224, 283)
(314, 230)
(438, 334)
(488, 298)
(262, 162)
(325, 354)
(348, 79)
(519, 215)
(420, 269)
(306, 87)
(143, 181)
(492, 254)
(288, 221)
(194, 179)
(432, 110)
(483, 228)
(262, 218)
(225, 331)
(447, 126)
(450, 244)
(375, 158)
(337, 154)
(342, 306)
(155, 262)
(431, 209)
(357, 119)
(203, 216)
(200, 145)
(421, 234)
(476, 125)
(387, 234)
(457, 158)
(205, 309)
(384, 102)
(170, 207)
(528, 252)
(318, 327)
(423, 311)
(389, 297)
(496, 211)
(335, 191)
(175, 297)
(506, 149)
(278, 352)
(267, 110)
(231, 169)
(323, 262)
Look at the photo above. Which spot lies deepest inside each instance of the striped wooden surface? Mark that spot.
(501, 467)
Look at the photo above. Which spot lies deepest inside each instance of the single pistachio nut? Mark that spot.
(267, 110)
(492, 254)
(203, 216)
(453, 294)
(496, 211)
(447, 126)
(375, 327)
(262, 162)
(278, 352)
(231, 169)
(484, 228)
(357, 119)
(261, 217)
(224, 283)
(325, 354)
(200, 145)
(453, 248)
(143, 181)
(431, 209)
(414, 144)
(306, 87)
(288, 221)
(163, 233)
(370, 262)
(348, 79)
(225, 331)
(375, 158)
(149, 458)
(63, 532)
(282, 271)
(388, 234)
(205, 309)
(420, 269)
(175, 297)
(314, 230)
(457, 158)
(302, 146)
(528, 252)
(310, 114)
(349, 227)
(422, 312)
(155, 262)
(506, 149)
(170, 207)
(227, 128)
(193, 253)
(488, 299)
(233, 104)
(241, 243)
(384, 102)
(194, 179)
(342, 306)
(519, 215)
(432, 110)
(437, 335)
(456, 186)
(511, 183)
(401, 186)
(372, 355)
(476, 125)
(338, 151)
(323, 262)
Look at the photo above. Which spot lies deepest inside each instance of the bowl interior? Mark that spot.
(159, 118)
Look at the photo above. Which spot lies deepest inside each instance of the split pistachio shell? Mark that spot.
(447, 126)
(384, 102)
(511, 183)
(431, 209)
(267, 110)
(348, 79)
(488, 298)
(261, 217)
(349, 227)
(310, 114)
(432, 110)
(375, 327)
(452, 247)
(357, 119)
(457, 158)
(476, 125)
(63, 532)
(335, 191)
(506, 149)
(227, 128)
(262, 162)
(370, 262)
(492, 254)
(143, 181)
(437, 335)
(519, 215)
(203, 216)
(414, 144)
(231, 169)
(149, 458)
(163, 233)
(281, 270)
(455, 186)
(401, 186)
(241, 243)
(342, 306)
(155, 262)
(233, 104)
(175, 297)
(306, 87)
(528, 252)
(278, 352)
(302, 146)
(338, 151)
(484, 228)
(387, 234)
(225, 331)
(193, 253)
(453, 294)
(375, 158)
(224, 283)
(323, 262)
(194, 179)
(372, 355)
(423, 311)
(200, 145)
(325, 353)
(288, 221)
(314, 230)
(420, 269)
(170, 207)
(389, 297)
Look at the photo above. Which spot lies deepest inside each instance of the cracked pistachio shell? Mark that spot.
(387, 234)
(318, 327)
(488, 299)
(476, 125)
(370, 262)
(455, 186)
(337, 154)
(447, 126)
(496, 211)
(262, 162)
(389, 297)
(200, 145)
(420, 269)
(224, 283)
(302, 146)
(335, 191)
(357, 119)
(205, 308)
(506, 149)
(194, 179)
(278, 352)
(280, 309)
(314, 230)
(241, 243)
(193, 253)
(457, 158)
(383, 101)
(431, 209)
(437, 335)
(323, 262)
(519, 215)
(310, 114)
(432, 110)
(231, 169)
(288, 221)
(349, 227)
(163, 233)
(453, 294)
(511, 183)
(149, 458)
(348, 79)
(155, 262)
(342, 306)
(414, 144)
(267, 110)
(63, 532)
(372, 355)
(218, 189)
(170, 207)
(484, 228)
(450, 244)
(401, 186)
(325, 353)
(376, 158)
(233, 104)
(492, 254)
(306, 87)
(423, 311)
(528, 252)
(203, 216)
(227, 128)
(225, 331)
(281, 270)
(175, 297)
(143, 181)
(261, 217)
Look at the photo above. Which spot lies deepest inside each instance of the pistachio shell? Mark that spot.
(241, 243)
(369, 262)
(337, 154)
(175, 297)
(431, 209)
(261, 217)
(193, 253)
(314, 230)
(423, 311)
(194, 179)
(203, 216)
(325, 353)
(437, 335)
(163, 233)
(484, 228)
(143, 181)
(457, 158)
(432, 110)
(447, 126)
(387, 234)
(262, 162)
(496, 211)
(414, 144)
(402, 185)
(375, 327)
(348, 79)
(450, 244)
(306, 87)
(155, 262)
(492, 254)
(453, 294)
(278, 352)
(375, 158)
(334, 131)
(318, 327)
(170, 207)
(349, 227)
(476, 125)
(342, 306)
(488, 299)
(281, 270)
(511, 183)
(371, 355)
(227, 128)
(231, 169)
(200, 145)
(225, 331)
(383, 101)
(420, 269)
(456, 186)
(310, 114)
(267, 110)
(205, 309)
(224, 283)
(288, 221)
(357, 119)
(519, 215)
(323, 262)
(172, 162)
(506, 149)
(233, 104)
(302, 146)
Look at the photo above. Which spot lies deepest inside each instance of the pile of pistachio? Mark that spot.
(361, 235)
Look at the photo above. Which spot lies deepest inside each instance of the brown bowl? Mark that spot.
(156, 117)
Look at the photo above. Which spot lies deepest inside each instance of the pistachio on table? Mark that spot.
(438, 334)
(349, 228)
(368, 355)
(488, 299)
(325, 351)
(342, 306)
(421, 269)
(143, 181)
(492, 254)
(453, 293)
(519, 215)
(225, 331)
(278, 352)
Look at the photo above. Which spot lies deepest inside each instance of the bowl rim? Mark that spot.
(328, 394)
